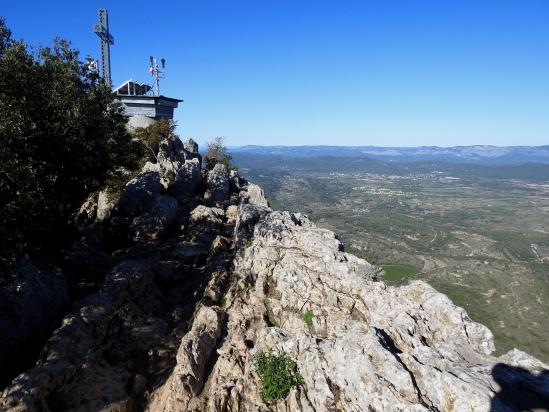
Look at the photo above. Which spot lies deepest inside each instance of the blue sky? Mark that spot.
(386, 73)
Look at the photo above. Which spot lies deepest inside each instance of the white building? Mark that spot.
(141, 107)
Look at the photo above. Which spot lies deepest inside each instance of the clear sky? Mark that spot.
(384, 72)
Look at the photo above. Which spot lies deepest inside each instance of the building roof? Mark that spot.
(155, 98)
(132, 88)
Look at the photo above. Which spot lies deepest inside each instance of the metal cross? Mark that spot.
(102, 30)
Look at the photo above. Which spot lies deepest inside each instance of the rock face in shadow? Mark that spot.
(121, 340)
(29, 310)
(204, 275)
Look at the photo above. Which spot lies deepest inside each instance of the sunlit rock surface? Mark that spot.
(209, 275)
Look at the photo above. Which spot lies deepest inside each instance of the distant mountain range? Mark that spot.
(461, 154)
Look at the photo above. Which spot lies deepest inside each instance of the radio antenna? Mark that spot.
(157, 72)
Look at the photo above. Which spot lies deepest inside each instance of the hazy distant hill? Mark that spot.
(468, 154)
(265, 163)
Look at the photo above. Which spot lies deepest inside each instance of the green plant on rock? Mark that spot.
(308, 318)
(247, 285)
(279, 374)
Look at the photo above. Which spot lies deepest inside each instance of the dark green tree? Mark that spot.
(61, 138)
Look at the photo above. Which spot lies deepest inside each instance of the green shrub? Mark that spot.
(149, 137)
(217, 153)
(308, 318)
(61, 138)
(278, 372)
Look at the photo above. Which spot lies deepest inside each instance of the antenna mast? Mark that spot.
(155, 71)
(102, 30)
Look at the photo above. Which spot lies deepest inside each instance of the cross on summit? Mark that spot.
(102, 30)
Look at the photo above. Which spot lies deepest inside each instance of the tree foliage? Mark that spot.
(61, 138)
(216, 152)
(149, 137)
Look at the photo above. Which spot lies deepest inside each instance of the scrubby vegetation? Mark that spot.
(149, 137)
(217, 153)
(61, 138)
(279, 374)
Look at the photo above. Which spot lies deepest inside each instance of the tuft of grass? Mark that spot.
(278, 372)
(308, 318)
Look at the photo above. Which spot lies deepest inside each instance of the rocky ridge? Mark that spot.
(197, 274)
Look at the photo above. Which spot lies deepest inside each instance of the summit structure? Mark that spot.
(142, 103)
(102, 30)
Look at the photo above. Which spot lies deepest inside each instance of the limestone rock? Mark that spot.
(173, 324)
(142, 211)
(255, 196)
(217, 184)
(30, 310)
(151, 167)
(369, 346)
(156, 221)
(195, 352)
(187, 180)
(171, 156)
(252, 208)
(246, 218)
(105, 204)
(192, 148)
(205, 223)
(139, 194)
(87, 364)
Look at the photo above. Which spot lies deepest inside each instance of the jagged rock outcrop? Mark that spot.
(143, 212)
(217, 184)
(187, 180)
(368, 347)
(208, 276)
(29, 310)
(105, 204)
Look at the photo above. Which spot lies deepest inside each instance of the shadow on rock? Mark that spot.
(520, 389)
